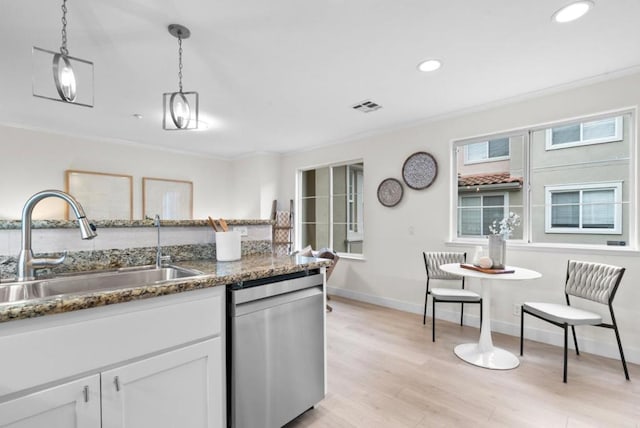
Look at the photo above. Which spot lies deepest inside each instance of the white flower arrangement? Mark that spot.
(506, 226)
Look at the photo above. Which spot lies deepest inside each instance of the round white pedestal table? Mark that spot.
(483, 353)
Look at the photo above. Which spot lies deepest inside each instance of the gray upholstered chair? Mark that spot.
(591, 281)
(432, 262)
(328, 253)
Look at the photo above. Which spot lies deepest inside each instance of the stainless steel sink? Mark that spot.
(90, 282)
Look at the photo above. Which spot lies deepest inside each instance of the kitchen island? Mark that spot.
(214, 273)
(144, 356)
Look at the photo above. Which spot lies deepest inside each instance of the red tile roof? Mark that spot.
(484, 179)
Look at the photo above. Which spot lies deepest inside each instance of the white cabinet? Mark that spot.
(167, 353)
(74, 404)
(181, 388)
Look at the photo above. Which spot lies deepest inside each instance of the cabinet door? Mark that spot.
(181, 388)
(74, 404)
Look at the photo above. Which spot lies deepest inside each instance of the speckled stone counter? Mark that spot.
(81, 261)
(214, 274)
(71, 224)
(123, 243)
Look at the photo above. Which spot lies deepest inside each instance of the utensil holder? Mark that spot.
(228, 246)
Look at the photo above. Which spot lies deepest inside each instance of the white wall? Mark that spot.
(255, 185)
(393, 272)
(31, 161)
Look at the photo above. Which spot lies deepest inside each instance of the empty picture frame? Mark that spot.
(170, 199)
(103, 196)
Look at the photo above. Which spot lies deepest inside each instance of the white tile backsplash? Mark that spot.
(58, 240)
(10, 242)
(124, 237)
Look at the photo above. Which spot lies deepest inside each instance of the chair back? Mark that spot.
(593, 281)
(433, 260)
(328, 253)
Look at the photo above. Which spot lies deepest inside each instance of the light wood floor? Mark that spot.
(384, 371)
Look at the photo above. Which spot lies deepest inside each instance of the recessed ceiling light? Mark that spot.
(429, 65)
(572, 11)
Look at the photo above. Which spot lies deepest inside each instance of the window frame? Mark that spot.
(631, 184)
(616, 186)
(618, 134)
(299, 199)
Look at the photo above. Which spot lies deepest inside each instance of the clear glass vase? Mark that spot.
(498, 251)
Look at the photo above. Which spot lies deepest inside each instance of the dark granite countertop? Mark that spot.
(215, 273)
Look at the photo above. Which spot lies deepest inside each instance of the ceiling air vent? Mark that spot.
(366, 106)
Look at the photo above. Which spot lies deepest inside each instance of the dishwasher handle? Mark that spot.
(270, 289)
(277, 300)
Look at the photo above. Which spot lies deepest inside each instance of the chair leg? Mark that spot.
(461, 312)
(521, 331)
(480, 312)
(624, 362)
(424, 317)
(433, 319)
(564, 375)
(575, 341)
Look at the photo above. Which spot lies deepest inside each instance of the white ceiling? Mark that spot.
(281, 75)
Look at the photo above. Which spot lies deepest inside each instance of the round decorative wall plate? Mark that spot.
(419, 170)
(390, 192)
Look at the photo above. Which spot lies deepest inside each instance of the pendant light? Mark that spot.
(180, 109)
(70, 75)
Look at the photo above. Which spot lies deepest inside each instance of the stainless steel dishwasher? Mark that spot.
(275, 349)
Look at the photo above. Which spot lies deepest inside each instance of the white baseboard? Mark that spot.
(610, 350)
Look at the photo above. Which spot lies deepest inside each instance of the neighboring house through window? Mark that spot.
(578, 177)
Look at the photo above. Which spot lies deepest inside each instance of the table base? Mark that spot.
(496, 358)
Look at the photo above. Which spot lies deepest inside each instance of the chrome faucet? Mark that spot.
(156, 223)
(27, 263)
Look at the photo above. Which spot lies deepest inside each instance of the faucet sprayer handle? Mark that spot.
(48, 261)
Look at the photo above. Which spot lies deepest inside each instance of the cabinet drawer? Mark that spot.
(56, 347)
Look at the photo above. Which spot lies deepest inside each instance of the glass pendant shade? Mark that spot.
(180, 111)
(61, 77)
(64, 78)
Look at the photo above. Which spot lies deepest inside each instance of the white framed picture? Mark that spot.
(170, 199)
(103, 196)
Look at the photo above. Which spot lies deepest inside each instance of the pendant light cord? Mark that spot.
(179, 63)
(63, 49)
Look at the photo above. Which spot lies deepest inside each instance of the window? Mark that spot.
(484, 151)
(593, 132)
(588, 208)
(477, 213)
(331, 207)
(582, 195)
(355, 215)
